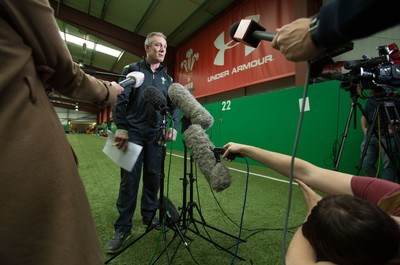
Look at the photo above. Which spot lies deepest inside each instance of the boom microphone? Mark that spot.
(189, 106)
(134, 79)
(250, 33)
(156, 98)
(216, 173)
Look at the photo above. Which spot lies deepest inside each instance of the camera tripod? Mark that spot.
(387, 107)
(167, 212)
(353, 111)
(383, 106)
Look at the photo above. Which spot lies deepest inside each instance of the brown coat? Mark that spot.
(45, 216)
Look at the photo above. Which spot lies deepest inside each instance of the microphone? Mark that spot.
(250, 33)
(216, 173)
(218, 151)
(189, 106)
(134, 79)
(156, 98)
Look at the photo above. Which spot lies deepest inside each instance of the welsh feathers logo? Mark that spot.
(188, 63)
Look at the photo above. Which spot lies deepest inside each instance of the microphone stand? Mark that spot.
(162, 205)
(187, 215)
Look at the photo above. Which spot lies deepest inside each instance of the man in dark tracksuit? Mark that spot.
(139, 122)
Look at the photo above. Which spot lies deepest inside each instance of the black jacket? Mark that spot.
(132, 112)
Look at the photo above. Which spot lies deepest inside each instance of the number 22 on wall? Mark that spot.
(226, 105)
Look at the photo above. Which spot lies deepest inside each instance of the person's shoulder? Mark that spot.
(164, 70)
(134, 66)
(128, 68)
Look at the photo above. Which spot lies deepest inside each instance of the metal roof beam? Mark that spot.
(122, 38)
(129, 41)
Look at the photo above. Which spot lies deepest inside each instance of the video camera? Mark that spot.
(380, 73)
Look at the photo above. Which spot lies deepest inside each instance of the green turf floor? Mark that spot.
(263, 219)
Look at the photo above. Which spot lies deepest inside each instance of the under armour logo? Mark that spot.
(220, 44)
(163, 80)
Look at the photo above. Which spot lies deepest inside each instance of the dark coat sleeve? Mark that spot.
(38, 28)
(342, 20)
(120, 106)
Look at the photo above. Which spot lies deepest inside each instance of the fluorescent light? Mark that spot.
(90, 45)
(107, 50)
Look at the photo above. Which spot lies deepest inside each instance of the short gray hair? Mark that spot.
(150, 36)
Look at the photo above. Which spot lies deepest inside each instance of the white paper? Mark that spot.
(125, 159)
(306, 106)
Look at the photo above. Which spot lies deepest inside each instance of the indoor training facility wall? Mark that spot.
(270, 121)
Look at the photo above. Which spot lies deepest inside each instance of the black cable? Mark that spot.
(286, 222)
(242, 215)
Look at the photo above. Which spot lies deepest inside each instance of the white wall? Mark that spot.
(367, 46)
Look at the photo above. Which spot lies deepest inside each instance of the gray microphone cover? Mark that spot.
(216, 173)
(189, 106)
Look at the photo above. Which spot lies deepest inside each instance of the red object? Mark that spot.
(212, 62)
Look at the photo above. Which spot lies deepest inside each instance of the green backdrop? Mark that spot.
(270, 121)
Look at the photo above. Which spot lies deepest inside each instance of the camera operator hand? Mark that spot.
(294, 41)
(304, 38)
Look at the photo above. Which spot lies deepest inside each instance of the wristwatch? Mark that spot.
(313, 27)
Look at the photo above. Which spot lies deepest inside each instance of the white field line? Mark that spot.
(250, 173)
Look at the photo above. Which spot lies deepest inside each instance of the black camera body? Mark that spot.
(380, 73)
(379, 77)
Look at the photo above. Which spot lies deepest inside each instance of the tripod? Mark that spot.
(161, 205)
(353, 109)
(391, 122)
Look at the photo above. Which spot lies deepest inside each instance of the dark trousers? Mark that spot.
(150, 161)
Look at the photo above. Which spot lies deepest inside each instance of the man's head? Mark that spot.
(155, 46)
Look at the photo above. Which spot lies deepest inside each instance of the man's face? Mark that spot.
(157, 50)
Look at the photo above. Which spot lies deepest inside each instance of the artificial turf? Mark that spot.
(253, 207)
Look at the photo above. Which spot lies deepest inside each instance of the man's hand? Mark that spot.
(121, 139)
(170, 135)
(293, 40)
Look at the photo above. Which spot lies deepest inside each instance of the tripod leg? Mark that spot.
(126, 247)
(390, 156)
(188, 218)
(177, 230)
(367, 141)
(344, 136)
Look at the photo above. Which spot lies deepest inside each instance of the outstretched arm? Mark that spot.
(329, 181)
